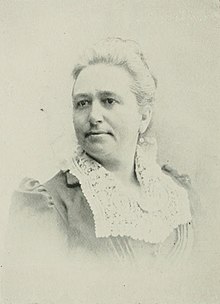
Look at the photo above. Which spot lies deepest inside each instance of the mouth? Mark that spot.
(97, 133)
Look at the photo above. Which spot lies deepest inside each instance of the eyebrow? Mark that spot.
(109, 93)
(100, 94)
(80, 95)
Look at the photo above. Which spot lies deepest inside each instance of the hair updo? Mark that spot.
(125, 54)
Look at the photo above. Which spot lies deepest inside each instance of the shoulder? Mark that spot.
(31, 193)
(38, 219)
(63, 179)
(41, 209)
(181, 179)
(184, 180)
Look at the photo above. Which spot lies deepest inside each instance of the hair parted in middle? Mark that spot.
(125, 54)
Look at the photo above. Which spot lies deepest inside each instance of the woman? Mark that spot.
(112, 201)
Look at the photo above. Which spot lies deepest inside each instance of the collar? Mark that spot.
(162, 207)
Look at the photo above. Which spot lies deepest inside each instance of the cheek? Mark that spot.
(78, 126)
(79, 119)
(129, 121)
(127, 129)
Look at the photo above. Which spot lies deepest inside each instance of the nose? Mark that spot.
(96, 113)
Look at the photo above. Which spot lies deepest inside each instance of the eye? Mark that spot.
(82, 103)
(109, 101)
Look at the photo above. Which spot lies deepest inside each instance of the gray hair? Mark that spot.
(126, 54)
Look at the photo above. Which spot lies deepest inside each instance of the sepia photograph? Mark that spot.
(110, 152)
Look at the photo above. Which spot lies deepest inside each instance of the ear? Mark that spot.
(146, 116)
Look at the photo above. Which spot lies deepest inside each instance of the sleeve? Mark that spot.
(188, 236)
(36, 246)
(36, 227)
(185, 181)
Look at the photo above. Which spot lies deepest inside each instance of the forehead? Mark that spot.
(102, 77)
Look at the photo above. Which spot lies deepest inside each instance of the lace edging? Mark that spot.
(114, 214)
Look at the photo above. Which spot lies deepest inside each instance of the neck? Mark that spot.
(123, 168)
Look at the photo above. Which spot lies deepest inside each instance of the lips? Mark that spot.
(97, 133)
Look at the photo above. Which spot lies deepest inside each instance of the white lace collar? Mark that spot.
(163, 205)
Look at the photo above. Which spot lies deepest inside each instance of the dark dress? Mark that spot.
(51, 228)
(61, 205)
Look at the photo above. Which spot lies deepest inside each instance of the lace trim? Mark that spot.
(162, 207)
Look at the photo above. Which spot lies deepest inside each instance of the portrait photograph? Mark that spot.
(110, 152)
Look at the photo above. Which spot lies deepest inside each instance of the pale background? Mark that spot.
(40, 41)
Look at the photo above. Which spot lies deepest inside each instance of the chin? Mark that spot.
(98, 151)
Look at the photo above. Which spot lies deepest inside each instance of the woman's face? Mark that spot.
(106, 115)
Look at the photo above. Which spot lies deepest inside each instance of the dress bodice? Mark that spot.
(59, 212)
